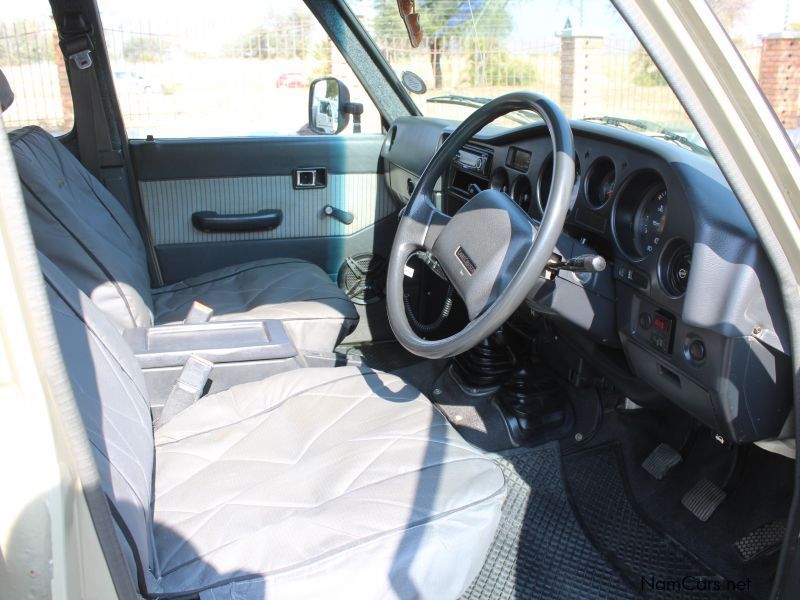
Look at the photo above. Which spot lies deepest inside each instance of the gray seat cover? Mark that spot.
(312, 483)
(315, 313)
(82, 228)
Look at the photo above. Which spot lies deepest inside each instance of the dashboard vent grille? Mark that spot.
(677, 271)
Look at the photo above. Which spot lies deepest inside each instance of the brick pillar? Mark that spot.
(67, 109)
(779, 75)
(581, 73)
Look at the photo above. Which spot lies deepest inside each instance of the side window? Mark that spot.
(32, 61)
(185, 71)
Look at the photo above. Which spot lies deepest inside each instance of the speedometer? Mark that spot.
(650, 220)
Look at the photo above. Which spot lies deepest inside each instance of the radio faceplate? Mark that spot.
(473, 160)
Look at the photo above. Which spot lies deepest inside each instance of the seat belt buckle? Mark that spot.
(82, 59)
(194, 375)
(198, 314)
(187, 389)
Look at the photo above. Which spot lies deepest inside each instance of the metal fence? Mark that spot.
(163, 79)
(32, 62)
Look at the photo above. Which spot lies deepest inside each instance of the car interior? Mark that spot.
(547, 360)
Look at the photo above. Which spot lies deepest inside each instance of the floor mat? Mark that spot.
(381, 356)
(758, 495)
(540, 550)
(653, 564)
(477, 417)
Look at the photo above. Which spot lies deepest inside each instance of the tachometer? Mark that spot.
(650, 220)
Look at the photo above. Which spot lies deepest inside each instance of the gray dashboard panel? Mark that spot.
(732, 303)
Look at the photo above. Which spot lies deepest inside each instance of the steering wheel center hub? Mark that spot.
(483, 246)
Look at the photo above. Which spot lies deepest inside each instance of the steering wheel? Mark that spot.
(491, 250)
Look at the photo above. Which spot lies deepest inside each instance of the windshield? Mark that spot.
(579, 53)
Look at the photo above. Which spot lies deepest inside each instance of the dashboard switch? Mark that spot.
(661, 334)
(696, 351)
(645, 320)
(631, 276)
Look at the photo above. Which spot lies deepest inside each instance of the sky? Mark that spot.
(533, 18)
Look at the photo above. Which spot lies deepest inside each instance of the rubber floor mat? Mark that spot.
(654, 565)
(540, 550)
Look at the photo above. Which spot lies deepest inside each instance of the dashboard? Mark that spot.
(689, 299)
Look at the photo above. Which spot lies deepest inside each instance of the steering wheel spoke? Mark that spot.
(421, 223)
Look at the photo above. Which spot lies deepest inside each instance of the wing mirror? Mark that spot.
(329, 107)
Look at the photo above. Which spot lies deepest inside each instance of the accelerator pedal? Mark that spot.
(703, 499)
(661, 460)
(764, 540)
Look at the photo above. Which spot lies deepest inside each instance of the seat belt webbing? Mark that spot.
(94, 138)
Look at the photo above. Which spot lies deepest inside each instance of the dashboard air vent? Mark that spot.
(676, 268)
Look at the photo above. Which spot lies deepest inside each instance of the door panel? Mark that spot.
(168, 206)
(180, 177)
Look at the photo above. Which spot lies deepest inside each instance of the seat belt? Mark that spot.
(198, 314)
(188, 389)
(94, 138)
(95, 144)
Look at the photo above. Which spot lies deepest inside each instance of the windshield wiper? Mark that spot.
(653, 128)
(523, 117)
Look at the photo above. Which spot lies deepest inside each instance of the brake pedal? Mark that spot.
(703, 499)
(763, 540)
(661, 460)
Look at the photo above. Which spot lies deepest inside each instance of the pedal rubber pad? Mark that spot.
(703, 499)
(661, 460)
(764, 540)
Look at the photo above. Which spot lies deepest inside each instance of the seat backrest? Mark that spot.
(110, 391)
(80, 226)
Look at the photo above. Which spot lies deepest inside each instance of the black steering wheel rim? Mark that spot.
(423, 227)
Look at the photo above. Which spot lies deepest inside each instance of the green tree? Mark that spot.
(26, 41)
(644, 70)
(729, 12)
(286, 36)
(145, 48)
(442, 20)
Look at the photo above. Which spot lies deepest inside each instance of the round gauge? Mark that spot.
(500, 180)
(650, 220)
(600, 180)
(521, 192)
(639, 215)
(545, 183)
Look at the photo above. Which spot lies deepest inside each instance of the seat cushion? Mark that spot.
(314, 311)
(321, 482)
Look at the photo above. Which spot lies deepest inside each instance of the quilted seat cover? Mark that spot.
(315, 313)
(319, 480)
(315, 483)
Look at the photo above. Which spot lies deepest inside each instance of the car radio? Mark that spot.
(473, 160)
